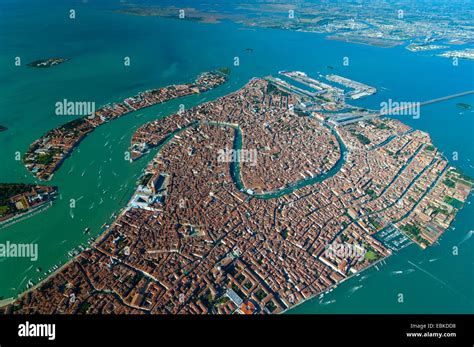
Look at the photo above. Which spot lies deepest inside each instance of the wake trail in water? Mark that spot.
(467, 237)
(324, 303)
(31, 266)
(402, 272)
(354, 289)
(438, 280)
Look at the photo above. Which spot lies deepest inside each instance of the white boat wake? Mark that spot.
(467, 237)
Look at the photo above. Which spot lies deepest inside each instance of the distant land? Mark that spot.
(384, 25)
(464, 106)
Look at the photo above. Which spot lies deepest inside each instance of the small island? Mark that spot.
(18, 198)
(44, 63)
(463, 106)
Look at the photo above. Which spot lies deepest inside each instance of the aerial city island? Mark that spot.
(275, 185)
(329, 190)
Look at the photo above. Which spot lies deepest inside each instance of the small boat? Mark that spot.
(86, 230)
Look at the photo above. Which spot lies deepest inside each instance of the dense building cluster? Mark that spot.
(293, 145)
(192, 241)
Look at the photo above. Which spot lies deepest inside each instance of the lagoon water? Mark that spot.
(165, 51)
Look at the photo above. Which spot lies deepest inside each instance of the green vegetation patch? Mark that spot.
(374, 222)
(224, 70)
(371, 256)
(145, 179)
(45, 158)
(7, 190)
(363, 139)
(84, 307)
(237, 290)
(260, 294)
(371, 193)
(430, 148)
(453, 202)
(413, 231)
(270, 306)
(449, 183)
(4, 210)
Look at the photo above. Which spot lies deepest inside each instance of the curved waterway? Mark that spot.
(235, 165)
(290, 187)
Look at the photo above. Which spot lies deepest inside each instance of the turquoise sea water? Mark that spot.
(164, 51)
